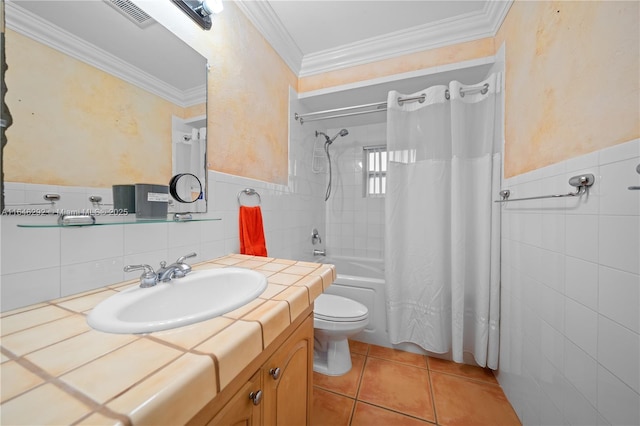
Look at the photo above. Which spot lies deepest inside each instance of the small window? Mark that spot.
(375, 171)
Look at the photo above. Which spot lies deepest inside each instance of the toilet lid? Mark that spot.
(330, 307)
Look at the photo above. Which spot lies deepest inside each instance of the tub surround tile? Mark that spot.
(167, 376)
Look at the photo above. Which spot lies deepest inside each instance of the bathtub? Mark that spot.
(362, 279)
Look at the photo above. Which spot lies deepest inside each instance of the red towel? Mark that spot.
(251, 232)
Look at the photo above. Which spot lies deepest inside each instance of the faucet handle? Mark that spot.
(181, 259)
(148, 278)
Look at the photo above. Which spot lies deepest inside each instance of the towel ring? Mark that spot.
(249, 191)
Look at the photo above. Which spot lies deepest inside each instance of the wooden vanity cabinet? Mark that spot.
(278, 392)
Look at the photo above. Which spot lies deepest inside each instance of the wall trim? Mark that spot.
(35, 28)
(464, 28)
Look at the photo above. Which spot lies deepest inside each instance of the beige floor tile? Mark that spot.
(398, 387)
(346, 384)
(330, 409)
(463, 402)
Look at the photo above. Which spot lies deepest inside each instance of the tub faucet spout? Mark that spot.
(317, 252)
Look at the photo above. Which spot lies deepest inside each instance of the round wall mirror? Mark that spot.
(186, 188)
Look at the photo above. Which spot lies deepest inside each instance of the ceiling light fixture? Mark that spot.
(200, 10)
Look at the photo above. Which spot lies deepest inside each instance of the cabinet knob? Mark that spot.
(275, 373)
(256, 397)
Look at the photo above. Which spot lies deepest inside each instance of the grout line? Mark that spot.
(433, 397)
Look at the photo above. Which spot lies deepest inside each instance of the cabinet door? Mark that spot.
(245, 408)
(288, 380)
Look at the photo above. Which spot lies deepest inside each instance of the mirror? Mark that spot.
(102, 95)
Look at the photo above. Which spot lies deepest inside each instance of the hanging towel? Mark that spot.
(251, 231)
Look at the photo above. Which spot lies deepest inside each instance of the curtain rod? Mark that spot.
(380, 106)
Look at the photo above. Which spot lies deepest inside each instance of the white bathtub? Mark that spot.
(362, 279)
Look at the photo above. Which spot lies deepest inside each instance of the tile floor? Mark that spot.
(387, 387)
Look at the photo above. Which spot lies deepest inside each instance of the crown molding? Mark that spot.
(36, 28)
(463, 28)
(460, 29)
(264, 18)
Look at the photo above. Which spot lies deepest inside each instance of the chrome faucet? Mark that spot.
(176, 270)
(149, 277)
(317, 252)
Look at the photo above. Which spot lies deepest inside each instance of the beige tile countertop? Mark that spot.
(56, 369)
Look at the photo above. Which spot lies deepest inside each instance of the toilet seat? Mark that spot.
(329, 307)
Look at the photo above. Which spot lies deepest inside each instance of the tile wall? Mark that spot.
(570, 337)
(47, 263)
(355, 224)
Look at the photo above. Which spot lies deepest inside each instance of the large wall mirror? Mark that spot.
(103, 95)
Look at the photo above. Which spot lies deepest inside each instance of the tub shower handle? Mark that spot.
(256, 397)
(315, 237)
(275, 373)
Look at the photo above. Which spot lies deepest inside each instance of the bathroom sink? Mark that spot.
(199, 296)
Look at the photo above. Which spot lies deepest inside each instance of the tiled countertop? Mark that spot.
(56, 369)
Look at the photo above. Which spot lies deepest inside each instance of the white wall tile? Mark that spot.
(581, 327)
(620, 242)
(615, 198)
(619, 351)
(25, 249)
(581, 236)
(26, 288)
(89, 243)
(81, 277)
(619, 297)
(617, 402)
(581, 281)
(581, 370)
(145, 237)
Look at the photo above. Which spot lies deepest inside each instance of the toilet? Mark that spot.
(335, 319)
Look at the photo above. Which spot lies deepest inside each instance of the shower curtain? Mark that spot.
(442, 241)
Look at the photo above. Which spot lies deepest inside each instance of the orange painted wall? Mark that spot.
(248, 92)
(572, 80)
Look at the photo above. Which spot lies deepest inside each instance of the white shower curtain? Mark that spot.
(442, 228)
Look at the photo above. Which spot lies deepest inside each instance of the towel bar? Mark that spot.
(249, 191)
(582, 182)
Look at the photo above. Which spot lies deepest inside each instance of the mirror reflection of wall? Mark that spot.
(94, 97)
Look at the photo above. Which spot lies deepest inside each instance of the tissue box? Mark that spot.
(152, 201)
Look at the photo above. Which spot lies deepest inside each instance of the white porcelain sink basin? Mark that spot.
(199, 296)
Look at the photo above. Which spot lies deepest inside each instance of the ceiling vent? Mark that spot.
(131, 12)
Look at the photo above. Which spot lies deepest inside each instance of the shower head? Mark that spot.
(343, 132)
